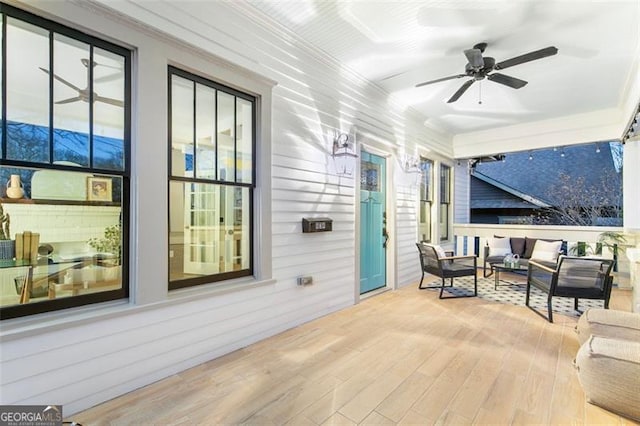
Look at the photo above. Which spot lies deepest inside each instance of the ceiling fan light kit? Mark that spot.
(480, 67)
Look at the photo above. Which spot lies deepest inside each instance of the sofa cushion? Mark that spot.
(546, 251)
(608, 370)
(499, 246)
(517, 246)
(530, 244)
(608, 323)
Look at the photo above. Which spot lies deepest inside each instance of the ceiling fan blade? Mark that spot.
(107, 78)
(62, 80)
(474, 56)
(527, 57)
(441, 79)
(85, 62)
(507, 80)
(460, 91)
(69, 100)
(110, 101)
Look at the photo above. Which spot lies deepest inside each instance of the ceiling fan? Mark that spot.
(480, 67)
(83, 94)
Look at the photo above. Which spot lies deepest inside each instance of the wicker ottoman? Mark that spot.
(608, 323)
(609, 372)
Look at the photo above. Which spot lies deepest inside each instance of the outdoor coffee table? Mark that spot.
(501, 267)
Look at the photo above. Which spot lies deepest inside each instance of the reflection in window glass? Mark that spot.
(108, 110)
(226, 137)
(66, 223)
(181, 126)
(209, 229)
(244, 140)
(426, 184)
(27, 81)
(205, 132)
(54, 257)
(1, 77)
(210, 204)
(445, 199)
(71, 103)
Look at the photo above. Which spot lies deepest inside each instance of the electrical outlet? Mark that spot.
(305, 280)
(170, 253)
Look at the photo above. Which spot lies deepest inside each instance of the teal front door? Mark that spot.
(373, 233)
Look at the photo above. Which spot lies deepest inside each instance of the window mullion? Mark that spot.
(235, 139)
(4, 86)
(51, 103)
(194, 139)
(90, 88)
(215, 132)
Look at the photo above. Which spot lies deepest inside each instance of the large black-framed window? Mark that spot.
(445, 201)
(65, 150)
(212, 131)
(426, 198)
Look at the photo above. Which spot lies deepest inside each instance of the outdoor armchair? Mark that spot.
(575, 277)
(436, 261)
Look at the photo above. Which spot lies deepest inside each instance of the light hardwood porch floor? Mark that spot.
(401, 357)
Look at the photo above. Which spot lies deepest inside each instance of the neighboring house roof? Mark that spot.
(537, 177)
(487, 193)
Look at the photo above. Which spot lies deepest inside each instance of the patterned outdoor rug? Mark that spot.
(513, 294)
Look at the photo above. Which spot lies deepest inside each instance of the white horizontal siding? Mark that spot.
(90, 362)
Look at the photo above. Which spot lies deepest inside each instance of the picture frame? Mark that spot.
(99, 189)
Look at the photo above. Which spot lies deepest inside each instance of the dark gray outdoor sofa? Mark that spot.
(523, 247)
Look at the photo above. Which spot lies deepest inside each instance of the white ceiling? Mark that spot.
(397, 44)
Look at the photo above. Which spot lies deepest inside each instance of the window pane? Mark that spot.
(226, 135)
(209, 229)
(27, 82)
(244, 140)
(425, 222)
(71, 101)
(426, 179)
(60, 250)
(181, 127)
(370, 176)
(205, 132)
(1, 77)
(444, 221)
(108, 110)
(445, 185)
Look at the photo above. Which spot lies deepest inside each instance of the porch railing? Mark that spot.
(471, 238)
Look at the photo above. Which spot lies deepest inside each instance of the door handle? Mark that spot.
(385, 234)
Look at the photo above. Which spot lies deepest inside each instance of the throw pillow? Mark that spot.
(529, 244)
(439, 251)
(499, 246)
(547, 251)
(517, 246)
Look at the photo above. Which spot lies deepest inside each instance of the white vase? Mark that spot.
(14, 187)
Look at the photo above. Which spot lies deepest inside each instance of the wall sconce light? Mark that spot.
(344, 153)
(598, 148)
(530, 156)
(562, 153)
(410, 164)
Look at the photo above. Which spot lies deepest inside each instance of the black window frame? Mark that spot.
(56, 28)
(445, 199)
(425, 194)
(195, 78)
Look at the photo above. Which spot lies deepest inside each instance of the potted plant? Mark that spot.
(110, 243)
(7, 245)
